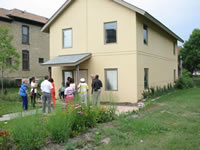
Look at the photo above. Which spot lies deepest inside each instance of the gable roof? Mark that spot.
(123, 3)
(16, 13)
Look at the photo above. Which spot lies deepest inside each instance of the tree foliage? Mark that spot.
(9, 57)
(191, 52)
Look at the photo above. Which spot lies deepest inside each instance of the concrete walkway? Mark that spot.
(19, 114)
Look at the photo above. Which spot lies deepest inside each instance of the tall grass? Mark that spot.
(29, 132)
(59, 126)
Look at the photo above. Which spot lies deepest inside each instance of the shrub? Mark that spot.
(11, 95)
(59, 126)
(29, 132)
(158, 91)
(84, 117)
(9, 83)
(185, 81)
(106, 114)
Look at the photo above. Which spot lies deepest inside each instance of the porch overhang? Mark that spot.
(68, 60)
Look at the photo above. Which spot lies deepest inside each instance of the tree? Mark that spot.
(9, 57)
(191, 52)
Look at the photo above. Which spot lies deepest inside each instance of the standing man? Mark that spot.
(46, 87)
(96, 86)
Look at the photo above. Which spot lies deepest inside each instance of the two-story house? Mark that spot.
(29, 41)
(127, 47)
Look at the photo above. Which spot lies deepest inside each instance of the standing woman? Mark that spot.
(53, 93)
(73, 85)
(24, 94)
(33, 91)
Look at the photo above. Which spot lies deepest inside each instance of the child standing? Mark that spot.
(69, 96)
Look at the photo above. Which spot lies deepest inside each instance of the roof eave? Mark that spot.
(150, 17)
(27, 19)
(55, 15)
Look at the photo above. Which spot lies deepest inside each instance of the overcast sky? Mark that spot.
(181, 16)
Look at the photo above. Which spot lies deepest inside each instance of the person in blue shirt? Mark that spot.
(24, 94)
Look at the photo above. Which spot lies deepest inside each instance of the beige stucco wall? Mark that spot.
(87, 18)
(38, 48)
(158, 56)
(129, 55)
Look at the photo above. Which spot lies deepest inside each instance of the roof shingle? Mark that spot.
(8, 14)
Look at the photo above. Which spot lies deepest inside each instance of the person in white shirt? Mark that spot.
(46, 87)
(33, 91)
(73, 85)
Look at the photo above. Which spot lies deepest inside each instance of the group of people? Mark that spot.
(47, 89)
(70, 90)
(67, 91)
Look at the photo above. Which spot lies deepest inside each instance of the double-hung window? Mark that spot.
(111, 79)
(110, 32)
(67, 38)
(25, 34)
(25, 60)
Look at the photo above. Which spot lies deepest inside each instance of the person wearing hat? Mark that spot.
(83, 89)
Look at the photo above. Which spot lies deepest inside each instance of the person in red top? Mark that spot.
(53, 93)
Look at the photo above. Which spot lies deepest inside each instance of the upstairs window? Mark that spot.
(146, 78)
(145, 34)
(110, 31)
(67, 38)
(25, 34)
(25, 60)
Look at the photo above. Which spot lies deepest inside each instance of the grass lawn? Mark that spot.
(12, 102)
(170, 123)
(7, 107)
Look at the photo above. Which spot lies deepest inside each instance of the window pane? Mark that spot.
(25, 30)
(110, 32)
(24, 39)
(67, 38)
(111, 80)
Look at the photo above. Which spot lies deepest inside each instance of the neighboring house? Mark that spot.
(128, 48)
(29, 41)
